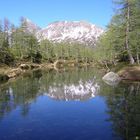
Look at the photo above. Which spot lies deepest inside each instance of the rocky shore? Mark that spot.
(127, 73)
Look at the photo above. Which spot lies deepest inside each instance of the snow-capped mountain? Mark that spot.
(71, 31)
(67, 31)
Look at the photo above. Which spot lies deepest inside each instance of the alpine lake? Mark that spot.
(72, 104)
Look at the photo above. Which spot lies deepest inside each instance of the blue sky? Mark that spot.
(43, 12)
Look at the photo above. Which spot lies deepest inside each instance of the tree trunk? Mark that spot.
(127, 34)
(138, 60)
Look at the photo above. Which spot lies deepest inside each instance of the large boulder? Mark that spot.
(111, 78)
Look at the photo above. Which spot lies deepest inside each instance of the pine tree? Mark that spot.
(124, 30)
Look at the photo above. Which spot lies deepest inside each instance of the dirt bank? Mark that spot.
(130, 73)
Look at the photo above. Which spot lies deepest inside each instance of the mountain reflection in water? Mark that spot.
(73, 85)
(80, 91)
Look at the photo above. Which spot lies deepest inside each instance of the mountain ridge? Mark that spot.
(81, 32)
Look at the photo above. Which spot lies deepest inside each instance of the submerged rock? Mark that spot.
(111, 78)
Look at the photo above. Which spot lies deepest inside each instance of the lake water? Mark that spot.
(68, 105)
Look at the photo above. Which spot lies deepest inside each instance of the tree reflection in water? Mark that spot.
(20, 92)
(123, 104)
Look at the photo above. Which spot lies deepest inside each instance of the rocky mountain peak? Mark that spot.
(81, 32)
(72, 31)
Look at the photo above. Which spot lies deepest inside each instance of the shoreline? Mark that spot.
(9, 72)
(126, 72)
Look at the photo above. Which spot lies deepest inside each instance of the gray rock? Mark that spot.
(111, 78)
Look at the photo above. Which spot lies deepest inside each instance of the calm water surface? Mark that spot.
(68, 105)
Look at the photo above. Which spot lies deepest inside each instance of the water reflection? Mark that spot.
(73, 85)
(121, 104)
(21, 93)
(124, 109)
(83, 90)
